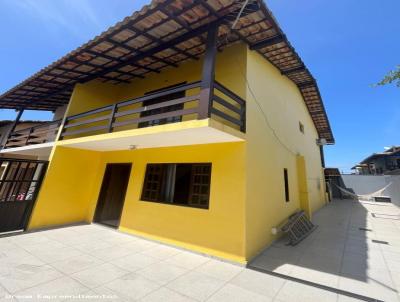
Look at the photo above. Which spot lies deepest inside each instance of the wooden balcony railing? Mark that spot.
(33, 135)
(170, 105)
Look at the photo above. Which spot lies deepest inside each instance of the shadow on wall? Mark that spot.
(345, 252)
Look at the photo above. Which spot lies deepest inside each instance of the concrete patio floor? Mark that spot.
(355, 248)
(91, 262)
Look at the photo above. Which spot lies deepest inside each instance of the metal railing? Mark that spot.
(166, 106)
(33, 135)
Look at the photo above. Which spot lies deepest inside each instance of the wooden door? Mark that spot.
(112, 194)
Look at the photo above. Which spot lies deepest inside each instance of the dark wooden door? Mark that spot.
(20, 182)
(112, 194)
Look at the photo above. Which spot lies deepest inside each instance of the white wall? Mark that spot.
(366, 184)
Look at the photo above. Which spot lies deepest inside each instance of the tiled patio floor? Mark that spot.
(340, 255)
(91, 262)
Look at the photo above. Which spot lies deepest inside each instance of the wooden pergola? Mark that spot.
(164, 34)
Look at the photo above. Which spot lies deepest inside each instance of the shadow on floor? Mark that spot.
(355, 248)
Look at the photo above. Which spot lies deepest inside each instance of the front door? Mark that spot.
(112, 194)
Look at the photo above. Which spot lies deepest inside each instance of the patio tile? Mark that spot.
(187, 260)
(6, 245)
(139, 245)
(196, 285)
(320, 262)
(165, 295)
(391, 256)
(320, 277)
(233, 293)
(162, 272)
(13, 254)
(257, 282)
(8, 266)
(359, 267)
(26, 275)
(293, 291)
(58, 289)
(76, 264)
(54, 255)
(134, 262)
(272, 264)
(219, 269)
(93, 245)
(48, 245)
(98, 275)
(161, 252)
(118, 238)
(29, 239)
(3, 293)
(132, 286)
(393, 265)
(103, 293)
(370, 287)
(396, 280)
(342, 298)
(286, 254)
(110, 253)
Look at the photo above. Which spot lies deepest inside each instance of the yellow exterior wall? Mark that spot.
(274, 109)
(65, 193)
(70, 191)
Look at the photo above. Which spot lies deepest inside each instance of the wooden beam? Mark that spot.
(208, 74)
(157, 49)
(268, 42)
(294, 70)
(14, 125)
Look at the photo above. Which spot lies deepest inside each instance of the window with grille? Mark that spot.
(179, 184)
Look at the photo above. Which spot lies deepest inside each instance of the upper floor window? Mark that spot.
(180, 184)
(161, 99)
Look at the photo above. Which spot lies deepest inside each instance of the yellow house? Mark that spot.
(193, 123)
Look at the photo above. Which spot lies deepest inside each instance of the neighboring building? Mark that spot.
(182, 129)
(20, 137)
(387, 162)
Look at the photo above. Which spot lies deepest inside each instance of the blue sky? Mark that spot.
(347, 44)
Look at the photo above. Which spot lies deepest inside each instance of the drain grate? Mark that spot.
(364, 229)
(380, 241)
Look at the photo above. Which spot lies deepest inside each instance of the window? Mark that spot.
(286, 179)
(179, 184)
(165, 98)
(301, 127)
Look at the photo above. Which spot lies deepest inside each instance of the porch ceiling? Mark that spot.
(164, 34)
(197, 132)
(41, 150)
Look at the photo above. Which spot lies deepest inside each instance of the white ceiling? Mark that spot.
(40, 150)
(191, 136)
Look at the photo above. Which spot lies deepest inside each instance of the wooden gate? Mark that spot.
(20, 181)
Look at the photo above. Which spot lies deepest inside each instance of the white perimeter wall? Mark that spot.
(366, 184)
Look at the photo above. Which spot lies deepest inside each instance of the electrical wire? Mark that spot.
(265, 117)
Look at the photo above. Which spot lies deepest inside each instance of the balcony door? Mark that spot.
(112, 194)
(161, 99)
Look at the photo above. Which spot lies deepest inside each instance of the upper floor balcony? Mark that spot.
(37, 140)
(184, 114)
(45, 133)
